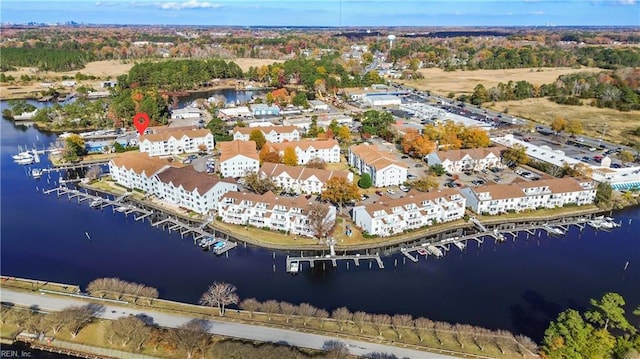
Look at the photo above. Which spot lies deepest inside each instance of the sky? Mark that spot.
(356, 13)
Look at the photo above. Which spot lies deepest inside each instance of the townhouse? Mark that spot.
(384, 169)
(285, 214)
(237, 158)
(173, 142)
(307, 150)
(473, 159)
(522, 195)
(273, 134)
(293, 179)
(186, 188)
(390, 216)
(134, 169)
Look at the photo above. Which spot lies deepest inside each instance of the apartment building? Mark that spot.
(273, 134)
(384, 169)
(473, 159)
(189, 189)
(173, 142)
(237, 158)
(389, 216)
(522, 195)
(294, 179)
(134, 170)
(285, 214)
(307, 150)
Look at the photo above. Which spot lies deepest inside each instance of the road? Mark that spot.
(253, 332)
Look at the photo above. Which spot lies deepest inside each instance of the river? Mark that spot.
(518, 286)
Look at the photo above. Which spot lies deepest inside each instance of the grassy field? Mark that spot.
(593, 119)
(460, 82)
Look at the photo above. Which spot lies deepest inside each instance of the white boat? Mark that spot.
(96, 202)
(595, 223)
(22, 155)
(36, 173)
(25, 161)
(554, 230)
(607, 225)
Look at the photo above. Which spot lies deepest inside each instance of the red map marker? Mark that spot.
(141, 122)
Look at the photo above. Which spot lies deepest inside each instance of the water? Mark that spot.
(518, 286)
(231, 96)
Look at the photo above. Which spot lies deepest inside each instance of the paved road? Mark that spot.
(252, 332)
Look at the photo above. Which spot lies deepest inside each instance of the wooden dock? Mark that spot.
(294, 264)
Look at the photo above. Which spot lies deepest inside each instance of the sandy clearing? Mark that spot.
(443, 82)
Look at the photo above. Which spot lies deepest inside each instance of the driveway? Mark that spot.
(252, 332)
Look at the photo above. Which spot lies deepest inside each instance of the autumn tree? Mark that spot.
(257, 136)
(267, 154)
(343, 135)
(270, 307)
(257, 184)
(342, 315)
(74, 147)
(559, 124)
(579, 169)
(128, 330)
(480, 95)
(626, 156)
(288, 310)
(77, 317)
(574, 127)
(415, 144)
(401, 321)
(290, 158)
(473, 137)
(516, 155)
(321, 222)
(380, 322)
(307, 311)
(424, 184)
(422, 325)
(220, 294)
(339, 190)
(569, 336)
(317, 162)
(360, 319)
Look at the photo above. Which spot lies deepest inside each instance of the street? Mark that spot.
(253, 332)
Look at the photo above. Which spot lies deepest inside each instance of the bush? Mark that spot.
(365, 181)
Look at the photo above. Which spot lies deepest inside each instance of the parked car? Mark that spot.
(419, 165)
(391, 191)
(404, 188)
(379, 193)
(412, 177)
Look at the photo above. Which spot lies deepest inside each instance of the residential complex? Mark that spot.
(523, 195)
(237, 158)
(285, 214)
(183, 187)
(273, 134)
(384, 169)
(293, 179)
(389, 216)
(307, 150)
(474, 159)
(173, 142)
(189, 189)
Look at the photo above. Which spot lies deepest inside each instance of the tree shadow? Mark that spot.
(533, 317)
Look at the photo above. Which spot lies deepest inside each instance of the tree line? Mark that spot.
(120, 289)
(47, 59)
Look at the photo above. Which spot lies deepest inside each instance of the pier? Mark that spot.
(294, 264)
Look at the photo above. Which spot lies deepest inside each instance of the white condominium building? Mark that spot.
(390, 216)
(135, 169)
(284, 214)
(273, 134)
(173, 142)
(474, 159)
(237, 158)
(307, 150)
(294, 179)
(522, 195)
(384, 169)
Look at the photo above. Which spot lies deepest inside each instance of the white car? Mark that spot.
(404, 188)
(390, 191)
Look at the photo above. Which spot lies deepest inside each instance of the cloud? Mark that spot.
(106, 3)
(627, 2)
(191, 4)
(537, 13)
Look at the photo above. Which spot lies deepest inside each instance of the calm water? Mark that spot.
(518, 285)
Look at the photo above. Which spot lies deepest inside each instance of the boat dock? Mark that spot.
(294, 264)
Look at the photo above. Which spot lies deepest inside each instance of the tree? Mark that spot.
(336, 349)
(437, 169)
(217, 126)
(318, 163)
(270, 307)
(416, 144)
(77, 317)
(515, 155)
(191, 337)
(569, 336)
(128, 330)
(558, 124)
(257, 184)
(321, 222)
(480, 95)
(424, 184)
(74, 146)
(55, 321)
(339, 190)
(290, 158)
(603, 194)
(400, 321)
(343, 135)
(609, 312)
(473, 137)
(257, 136)
(288, 310)
(365, 181)
(307, 311)
(579, 169)
(361, 319)
(220, 294)
(422, 325)
(342, 315)
(574, 127)
(626, 156)
(380, 322)
(250, 305)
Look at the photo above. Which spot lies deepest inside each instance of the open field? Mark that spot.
(442, 82)
(541, 110)
(245, 62)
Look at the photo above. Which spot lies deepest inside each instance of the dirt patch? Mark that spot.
(593, 119)
(245, 63)
(443, 82)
